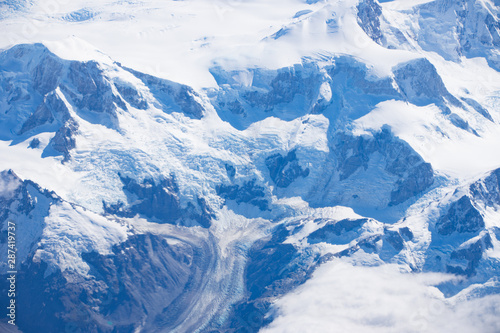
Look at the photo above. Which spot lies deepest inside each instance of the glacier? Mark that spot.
(247, 166)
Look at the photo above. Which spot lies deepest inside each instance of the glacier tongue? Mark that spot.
(306, 145)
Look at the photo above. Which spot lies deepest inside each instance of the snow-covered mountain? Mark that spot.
(244, 166)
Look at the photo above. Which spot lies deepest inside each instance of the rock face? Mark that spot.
(64, 140)
(369, 13)
(195, 210)
(342, 90)
(462, 239)
(475, 27)
(246, 97)
(421, 84)
(471, 255)
(159, 201)
(168, 96)
(88, 88)
(25, 204)
(285, 169)
(52, 108)
(487, 190)
(40, 88)
(340, 232)
(274, 269)
(412, 174)
(145, 275)
(461, 217)
(123, 287)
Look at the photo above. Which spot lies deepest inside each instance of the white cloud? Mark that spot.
(8, 184)
(345, 298)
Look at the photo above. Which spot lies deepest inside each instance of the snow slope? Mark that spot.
(201, 166)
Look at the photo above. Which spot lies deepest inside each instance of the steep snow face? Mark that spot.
(52, 230)
(311, 133)
(471, 29)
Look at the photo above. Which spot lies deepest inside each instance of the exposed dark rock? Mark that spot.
(476, 27)
(462, 217)
(158, 200)
(354, 152)
(140, 277)
(368, 244)
(231, 171)
(406, 233)
(419, 178)
(173, 97)
(471, 254)
(369, 13)
(421, 84)
(460, 123)
(248, 192)
(331, 231)
(487, 190)
(35, 143)
(47, 73)
(288, 83)
(64, 140)
(273, 270)
(51, 108)
(131, 95)
(292, 92)
(285, 169)
(478, 107)
(205, 217)
(92, 91)
(394, 238)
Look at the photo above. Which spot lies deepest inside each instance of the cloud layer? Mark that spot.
(346, 298)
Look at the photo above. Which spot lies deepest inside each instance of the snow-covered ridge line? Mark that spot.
(301, 135)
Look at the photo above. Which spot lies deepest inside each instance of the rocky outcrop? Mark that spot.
(159, 200)
(47, 112)
(461, 217)
(169, 96)
(337, 232)
(413, 174)
(138, 278)
(487, 190)
(471, 255)
(273, 269)
(343, 89)
(248, 192)
(420, 83)
(64, 140)
(475, 26)
(285, 169)
(369, 13)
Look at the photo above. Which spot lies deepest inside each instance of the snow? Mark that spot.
(70, 231)
(164, 37)
(182, 41)
(48, 172)
(453, 152)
